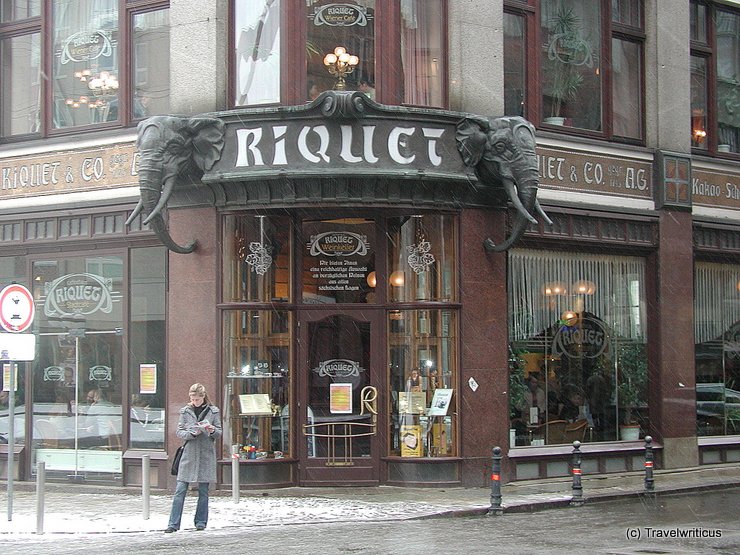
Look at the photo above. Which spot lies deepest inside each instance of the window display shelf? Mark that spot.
(255, 377)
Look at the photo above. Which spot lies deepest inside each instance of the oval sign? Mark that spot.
(17, 308)
(340, 15)
(85, 46)
(338, 243)
(78, 294)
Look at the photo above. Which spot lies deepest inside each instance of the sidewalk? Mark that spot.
(80, 509)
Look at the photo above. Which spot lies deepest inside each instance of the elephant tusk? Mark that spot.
(136, 212)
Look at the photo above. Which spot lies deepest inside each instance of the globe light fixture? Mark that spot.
(340, 63)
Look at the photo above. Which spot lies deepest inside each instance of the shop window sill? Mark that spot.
(586, 449)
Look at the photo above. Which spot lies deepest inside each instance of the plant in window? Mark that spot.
(567, 51)
(517, 384)
(632, 386)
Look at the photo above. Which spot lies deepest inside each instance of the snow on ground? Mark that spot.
(80, 514)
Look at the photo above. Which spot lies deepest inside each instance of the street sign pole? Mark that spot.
(17, 310)
(11, 439)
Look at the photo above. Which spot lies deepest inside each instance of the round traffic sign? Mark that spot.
(17, 308)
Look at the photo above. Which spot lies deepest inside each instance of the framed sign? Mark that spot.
(147, 378)
(340, 398)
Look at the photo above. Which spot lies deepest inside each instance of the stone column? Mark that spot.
(671, 333)
(483, 343)
(199, 56)
(476, 60)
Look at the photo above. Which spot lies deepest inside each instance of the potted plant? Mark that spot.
(517, 388)
(567, 50)
(632, 387)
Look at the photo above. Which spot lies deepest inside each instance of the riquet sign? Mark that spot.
(352, 139)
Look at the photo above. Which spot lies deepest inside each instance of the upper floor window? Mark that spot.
(394, 52)
(590, 67)
(715, 69)
(107, 62)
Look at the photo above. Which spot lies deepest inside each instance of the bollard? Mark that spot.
(40, 486)
(145, 485)
(649, 481)
(496, 509)
(577, 499)
(235, 473)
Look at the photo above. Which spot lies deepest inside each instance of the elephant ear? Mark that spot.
(471, 141)
(208, 141)
(524, 133)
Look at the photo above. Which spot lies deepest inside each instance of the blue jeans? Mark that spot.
(201, 510)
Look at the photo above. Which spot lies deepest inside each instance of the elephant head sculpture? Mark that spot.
(502, 153)
(173, 149)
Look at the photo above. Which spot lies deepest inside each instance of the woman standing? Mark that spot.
(199, 427)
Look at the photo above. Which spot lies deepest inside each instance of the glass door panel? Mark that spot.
(341, 421)
(77, 419)
(78, 372)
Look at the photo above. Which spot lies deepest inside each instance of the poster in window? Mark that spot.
(147, 378)
(411, 402)
(411, 444)
(340, 398)
(255, 404)
(440, 402)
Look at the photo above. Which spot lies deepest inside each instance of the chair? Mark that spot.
(49, 434)
(575, 431)
(114, 438)
(555, 431)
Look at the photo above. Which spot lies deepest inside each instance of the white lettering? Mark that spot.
(242, 147)
(280, 159)
(368, 132)
(323, 134)
(433, 134)
(396, 139)
(346, 153)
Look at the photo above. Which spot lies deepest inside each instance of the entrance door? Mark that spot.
(338, 428)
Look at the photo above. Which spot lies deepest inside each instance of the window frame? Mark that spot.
(708, 51)
(294, 31)
(610, 30)
(43, 25)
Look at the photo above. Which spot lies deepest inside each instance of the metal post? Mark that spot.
(649, 481)
(11, 439)
(145, 485)
(577, 499)
(235, 473)
(40, 492)
(496, 509)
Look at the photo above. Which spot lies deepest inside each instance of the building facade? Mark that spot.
(339, 235)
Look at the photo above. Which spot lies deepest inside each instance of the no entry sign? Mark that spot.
(17, 308)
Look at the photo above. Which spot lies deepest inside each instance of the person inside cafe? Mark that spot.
(534, 398)
(100, 413)
(413, 383)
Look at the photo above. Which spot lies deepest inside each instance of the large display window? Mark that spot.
(422, 258)
(422, 348)
(256, 254)
(578, 365)
(717, 333)
(78, 371)
(257, 383)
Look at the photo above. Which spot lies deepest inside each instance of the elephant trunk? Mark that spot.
(151, 202)
(528, 198)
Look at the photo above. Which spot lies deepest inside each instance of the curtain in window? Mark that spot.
(421, 51)
(257, 31)
(544, 285)
(716, 300)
